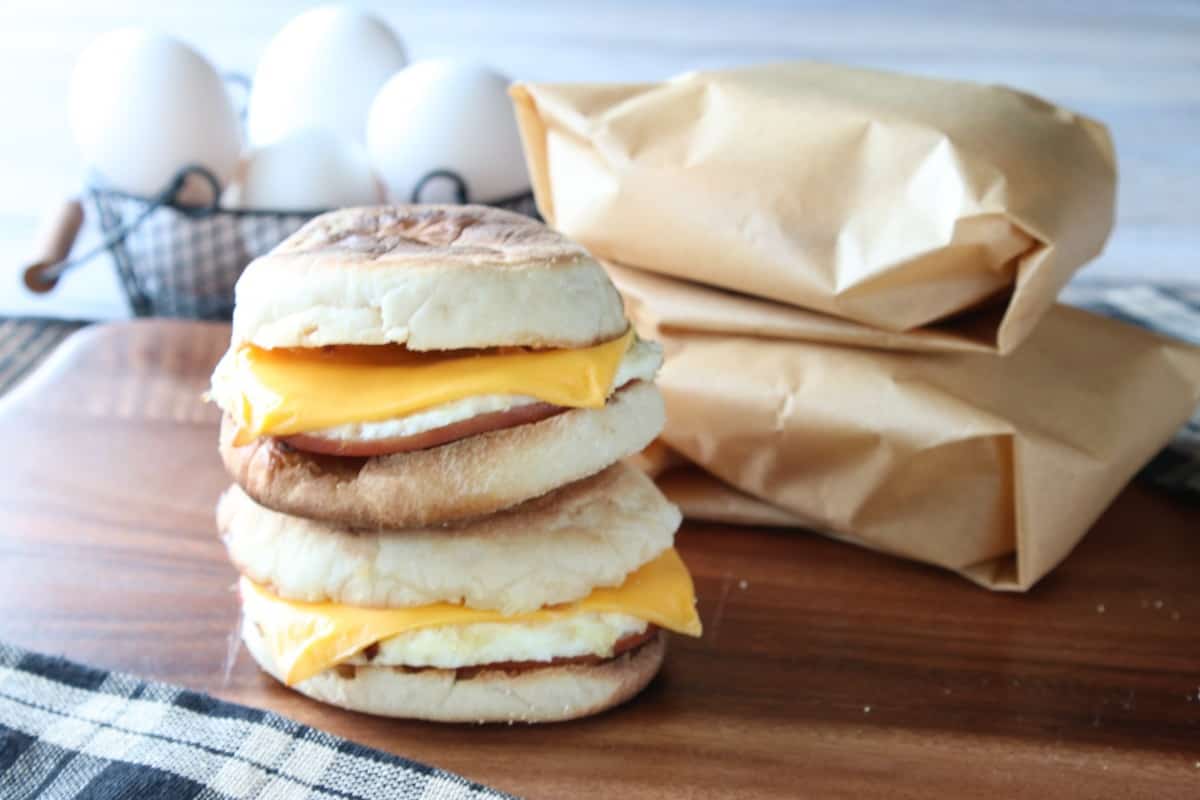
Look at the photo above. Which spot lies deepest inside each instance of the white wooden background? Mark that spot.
(1134, 65)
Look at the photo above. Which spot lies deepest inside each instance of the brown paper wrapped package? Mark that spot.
(884, 238)
(993, 467)
(890, 200)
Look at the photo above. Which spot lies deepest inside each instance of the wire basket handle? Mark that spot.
(461, 194)
(59, 236)
(55, 240)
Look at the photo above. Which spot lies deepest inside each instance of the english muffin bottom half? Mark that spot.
(412, 365)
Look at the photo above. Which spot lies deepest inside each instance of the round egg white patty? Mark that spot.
(452, 646)
(472, 645)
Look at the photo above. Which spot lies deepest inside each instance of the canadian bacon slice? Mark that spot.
(482, 423)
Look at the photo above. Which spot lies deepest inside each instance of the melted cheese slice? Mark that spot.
(288, 391)
(308, 638)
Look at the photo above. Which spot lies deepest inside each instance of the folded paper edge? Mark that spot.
(533, 142)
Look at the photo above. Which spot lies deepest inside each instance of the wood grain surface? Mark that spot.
(824, 670)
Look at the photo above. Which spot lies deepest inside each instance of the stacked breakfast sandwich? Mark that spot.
(425, 412)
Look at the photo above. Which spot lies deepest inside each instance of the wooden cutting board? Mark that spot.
(824, 670)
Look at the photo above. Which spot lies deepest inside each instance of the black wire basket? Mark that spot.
(177, 260)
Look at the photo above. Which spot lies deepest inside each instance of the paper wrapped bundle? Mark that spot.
(885, 237)
(993, 467)
(891, 200)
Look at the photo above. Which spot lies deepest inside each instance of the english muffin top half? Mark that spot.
(429, 278)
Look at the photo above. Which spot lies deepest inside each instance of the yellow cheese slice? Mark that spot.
(308, 638)
(289, 391)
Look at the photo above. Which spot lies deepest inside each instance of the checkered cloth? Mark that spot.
(69, 731)
(25, 342)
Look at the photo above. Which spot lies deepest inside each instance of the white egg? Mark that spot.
(322, 71)
(307, 170)
(446, 115)
(142, 105)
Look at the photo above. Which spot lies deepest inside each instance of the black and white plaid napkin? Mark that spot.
(73, 732)
(25, 342)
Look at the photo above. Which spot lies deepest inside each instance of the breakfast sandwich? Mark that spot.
(410, 365)
(426, 410)
(552, 610)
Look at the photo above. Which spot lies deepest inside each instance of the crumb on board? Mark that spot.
(1100, 608)
(743, 584)
(866, 709)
